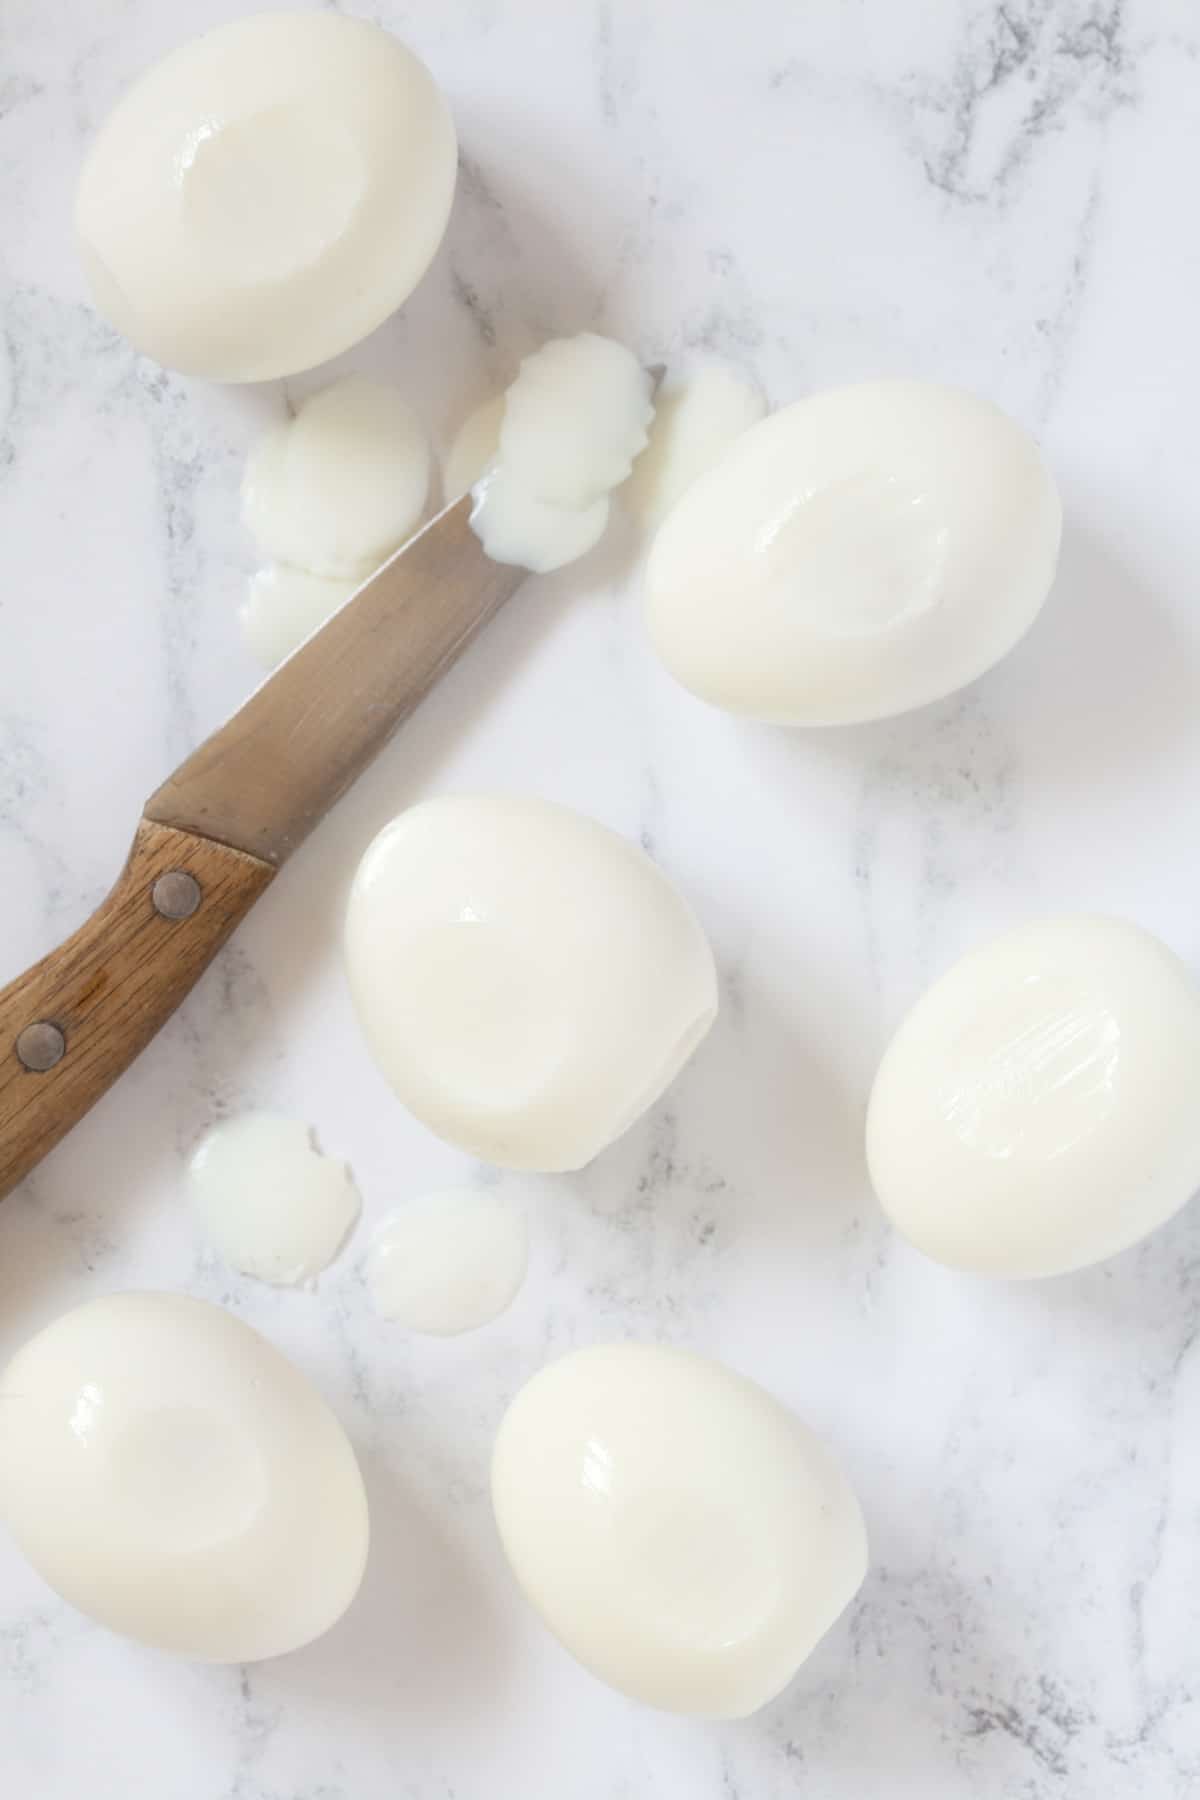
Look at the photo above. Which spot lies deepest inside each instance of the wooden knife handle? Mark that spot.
(76, 1020)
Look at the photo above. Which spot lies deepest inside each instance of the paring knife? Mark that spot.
(215, 834)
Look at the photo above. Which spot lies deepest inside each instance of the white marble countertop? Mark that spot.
(991, 194)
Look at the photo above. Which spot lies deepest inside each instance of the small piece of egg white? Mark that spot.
(448, 1262)
(283, 607)
(698, 412)
(270, 1204)
(336, 489)
(474, 448)
(574, 420)
(533, 534)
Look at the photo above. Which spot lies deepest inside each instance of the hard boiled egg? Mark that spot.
(857, 554)
(1037, 1110)
(527, 981)
(267, 194)
(174, 1477)
(687, 1539)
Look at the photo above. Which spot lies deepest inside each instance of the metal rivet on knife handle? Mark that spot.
(176, 895)
(40, 1046)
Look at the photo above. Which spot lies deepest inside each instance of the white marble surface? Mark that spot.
(993, 194)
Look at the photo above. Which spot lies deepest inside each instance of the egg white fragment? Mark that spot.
(855, 555)
(267, 194)
(284, 606)
(1037, 1110)
(574, 420)
(688, 1540)
(267, 1200)
(698, 412)
(474, 447)
(534, 534)
(449, 1262)
(336, 489)
(527, 981)
(174, 1477)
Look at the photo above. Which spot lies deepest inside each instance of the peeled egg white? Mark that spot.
(698, 413)
(174, 1477)
(859, 553)
(573, 421)
(336, 489)
(527, 981)
(267, 194)
(683, 1536)
(448, 1262)
(267, 1199)
(283, 606)
(575, 418)
(474, 446)
(1036, 1112)
(516, 527)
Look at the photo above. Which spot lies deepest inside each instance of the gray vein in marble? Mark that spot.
(1024, 65)
(729, 323)
(474, 187)
(179, 464)
(51, 343)
(1044, 1722)
(93, 1239)
(227, 1026)
(468, 296)
(651, 810)
(947, 785)
(26, 785)
(18, 90)
(254, 1725)
(726, 330)
(480, 239)
(423, 26)
(25, 769)
(29, 1644)
(618, 35)
(606, 75)
(1027, 72)
(658, 1248)
(1058, 329)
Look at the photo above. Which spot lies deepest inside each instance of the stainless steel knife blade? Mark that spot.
(266, 777)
